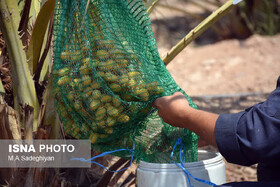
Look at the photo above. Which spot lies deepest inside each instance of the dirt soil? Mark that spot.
(227, 68)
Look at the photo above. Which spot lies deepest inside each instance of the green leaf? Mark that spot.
(38, 33)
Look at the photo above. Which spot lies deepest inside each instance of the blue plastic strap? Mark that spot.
(91, 160)
(181, 165)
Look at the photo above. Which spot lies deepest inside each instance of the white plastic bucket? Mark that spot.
(210, 166)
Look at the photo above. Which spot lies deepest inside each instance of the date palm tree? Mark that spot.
(27, 33)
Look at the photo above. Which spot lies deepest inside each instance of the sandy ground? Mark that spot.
(228, 67)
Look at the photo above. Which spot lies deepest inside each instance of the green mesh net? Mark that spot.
(107, 72)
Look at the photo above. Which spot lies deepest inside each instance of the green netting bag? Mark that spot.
(107, 72)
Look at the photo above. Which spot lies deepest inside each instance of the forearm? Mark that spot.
(202, 123)
(175, 110)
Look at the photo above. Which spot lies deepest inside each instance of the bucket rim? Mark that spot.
(216, 158)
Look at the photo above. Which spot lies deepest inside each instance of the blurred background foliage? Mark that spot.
(260, 16)
(249, 17)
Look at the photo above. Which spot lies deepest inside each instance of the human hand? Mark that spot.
(173, 109)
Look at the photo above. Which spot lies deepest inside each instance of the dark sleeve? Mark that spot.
(253, 135)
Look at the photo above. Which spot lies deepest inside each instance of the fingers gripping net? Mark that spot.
(107, 72)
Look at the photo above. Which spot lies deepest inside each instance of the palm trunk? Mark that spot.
(50, 115)
(23, 85)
